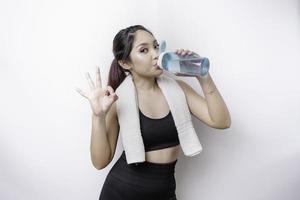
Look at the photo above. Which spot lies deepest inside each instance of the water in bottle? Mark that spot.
(190, 65)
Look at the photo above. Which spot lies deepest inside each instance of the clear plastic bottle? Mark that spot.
(191, 65)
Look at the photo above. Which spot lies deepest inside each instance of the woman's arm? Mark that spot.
(100, 149)
(216, 106)
(211, 110)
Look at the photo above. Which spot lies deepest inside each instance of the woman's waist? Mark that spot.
(149, 167)
(166, 155)
(145, 171)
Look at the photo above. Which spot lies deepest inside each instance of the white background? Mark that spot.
(47, 46)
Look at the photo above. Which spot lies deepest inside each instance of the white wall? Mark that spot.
(47, 46)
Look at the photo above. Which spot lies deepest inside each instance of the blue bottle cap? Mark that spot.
(162, 46)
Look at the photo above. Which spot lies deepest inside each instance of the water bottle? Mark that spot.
(190, 65)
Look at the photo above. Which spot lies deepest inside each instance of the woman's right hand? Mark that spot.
(100, 98)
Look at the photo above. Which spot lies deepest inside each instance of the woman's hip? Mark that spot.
(145, 179)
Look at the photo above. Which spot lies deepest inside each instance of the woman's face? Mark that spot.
(144, 55)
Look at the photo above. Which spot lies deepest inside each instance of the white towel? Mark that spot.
(128, 117)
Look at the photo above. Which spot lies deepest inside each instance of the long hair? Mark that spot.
(122, 46)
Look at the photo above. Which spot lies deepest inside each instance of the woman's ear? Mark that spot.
(124, 65)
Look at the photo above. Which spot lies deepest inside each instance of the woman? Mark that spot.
(136, 52)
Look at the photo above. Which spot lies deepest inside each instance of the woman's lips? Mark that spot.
(157, 66)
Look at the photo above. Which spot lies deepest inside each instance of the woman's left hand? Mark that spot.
(184, 52)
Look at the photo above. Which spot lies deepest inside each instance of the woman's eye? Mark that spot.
(143, 50)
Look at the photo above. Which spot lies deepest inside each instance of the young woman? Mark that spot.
(136, 52)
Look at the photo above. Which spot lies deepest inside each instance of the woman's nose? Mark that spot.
(155, 53)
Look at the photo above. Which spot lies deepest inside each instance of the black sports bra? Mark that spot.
(158, 133)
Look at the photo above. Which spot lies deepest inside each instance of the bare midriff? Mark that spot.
(166, 155)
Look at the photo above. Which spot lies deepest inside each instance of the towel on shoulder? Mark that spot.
(128, 117)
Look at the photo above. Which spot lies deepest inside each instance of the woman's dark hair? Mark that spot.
(122, 46)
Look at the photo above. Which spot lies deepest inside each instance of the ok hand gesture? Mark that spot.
(100, 98)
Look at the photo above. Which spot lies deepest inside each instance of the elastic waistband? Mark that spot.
(168, 166)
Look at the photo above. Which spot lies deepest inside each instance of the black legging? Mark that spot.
(145, 181)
